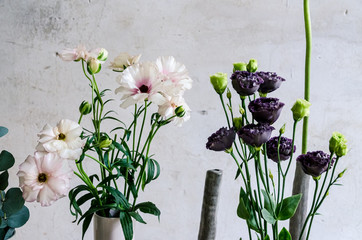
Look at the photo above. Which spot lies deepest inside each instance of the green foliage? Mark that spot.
(6, 160)
(288, 206)
(3, 131)
(284, 235)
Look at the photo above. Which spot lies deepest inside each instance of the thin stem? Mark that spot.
(226, 114)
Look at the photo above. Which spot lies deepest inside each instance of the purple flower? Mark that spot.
(222, 140)
(266, 110)
(245, 83)
(314, 163)
(255, 135)
(271, 82)
(285, 148)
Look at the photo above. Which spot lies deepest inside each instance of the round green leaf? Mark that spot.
(3, 131)
(4, 180)
(13, 201)
(6, 160)
(19, 218)
(9, 234)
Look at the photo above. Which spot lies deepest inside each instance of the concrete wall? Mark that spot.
(36, 88)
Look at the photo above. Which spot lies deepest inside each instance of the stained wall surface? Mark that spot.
(36, 88)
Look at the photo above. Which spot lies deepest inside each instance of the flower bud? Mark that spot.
(180, 111)
(300, 109)
(103, 55)
(228, 94)
(239, 66)
(93, 65)
(219, 81)
(105, 143)
(85, 108)
(271, 175)
(338, 144)
(241, 110)
(252, 65)
(317, 178)
(238, 123)
(282, 129)
(342, 173)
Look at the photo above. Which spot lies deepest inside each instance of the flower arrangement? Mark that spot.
(123, 154)
(247, 139)
(13, 213)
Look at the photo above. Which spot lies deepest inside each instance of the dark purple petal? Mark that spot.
(222, 140)
(245, 83)
(271, 81)
(255, 135)
(266, 110)
(285, 148)
(314, 163)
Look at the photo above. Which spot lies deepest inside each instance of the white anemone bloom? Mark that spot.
(74, 54)
(175, 77)
(124, 60)
(138, 83)
(64, 139)
(167, 109)
(44, 177)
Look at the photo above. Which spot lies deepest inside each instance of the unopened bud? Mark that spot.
(85, 108)
(103, 55)
(239, 66)
(252, 65)
(338, 144)
(93, 66)
(300, 109)
(342, 173)
(219, 81)
(282, 129)
(317, 178)
(241, 110)
(238, 123)
(271, 175)
(180, 111)
(228, 93)
(105, 143)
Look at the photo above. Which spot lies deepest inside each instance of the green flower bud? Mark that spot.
(241, 110)
(300, 109)
(317, 178)
(338, 143)
(271, 175)
(238, 123)
(282, 129)
(219, 81)
(239, 66)
(228, 93)
(103, 55)
(180, 111)
(342, 173)
(93, 66)
(85, 108)
(252, 65)
(105, 143)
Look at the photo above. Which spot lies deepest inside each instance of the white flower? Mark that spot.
(167, 109)
(44, 178)
(124, 60)
(64, 139)
(175, 77)
(74, 54)
(138, 83)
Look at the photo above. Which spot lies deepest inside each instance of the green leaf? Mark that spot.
(6, 160)
(4, 180)
(288, 206)
(148, 207)
(267, 237)
(242, 211)
(86, 223)
(9, 234)
(118, 196)
(269, 203)
(13, 201)
(137, 217)
(3, 131)
(267, 216)
(127, 226)
(284, 235)
(19, 218)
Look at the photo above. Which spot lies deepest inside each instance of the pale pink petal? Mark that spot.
(46, 196)
(29, 194)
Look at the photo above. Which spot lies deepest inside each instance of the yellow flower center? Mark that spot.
(42, 177)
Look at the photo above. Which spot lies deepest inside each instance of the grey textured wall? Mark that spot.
(36, 88)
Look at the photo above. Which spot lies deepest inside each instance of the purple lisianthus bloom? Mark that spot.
(271, 82)
(314, 163)
(266, 110)
(245, 83)
(222, 140)
(255, 135)
(285, 148)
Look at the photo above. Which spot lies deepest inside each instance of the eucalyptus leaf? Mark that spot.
(4, 180)
(267, 216)
(288, 206)
(284, 235)
(3, 131)
(9, 234)
(6, 160)
(13, 201)
(19, 218)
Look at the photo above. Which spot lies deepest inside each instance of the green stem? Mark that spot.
(223, 105)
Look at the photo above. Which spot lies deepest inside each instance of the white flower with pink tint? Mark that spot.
(63, 139)
(138, 83)
(175, 77)
(44, 177)
(124, 60)
(167, 109)
(75, 54)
